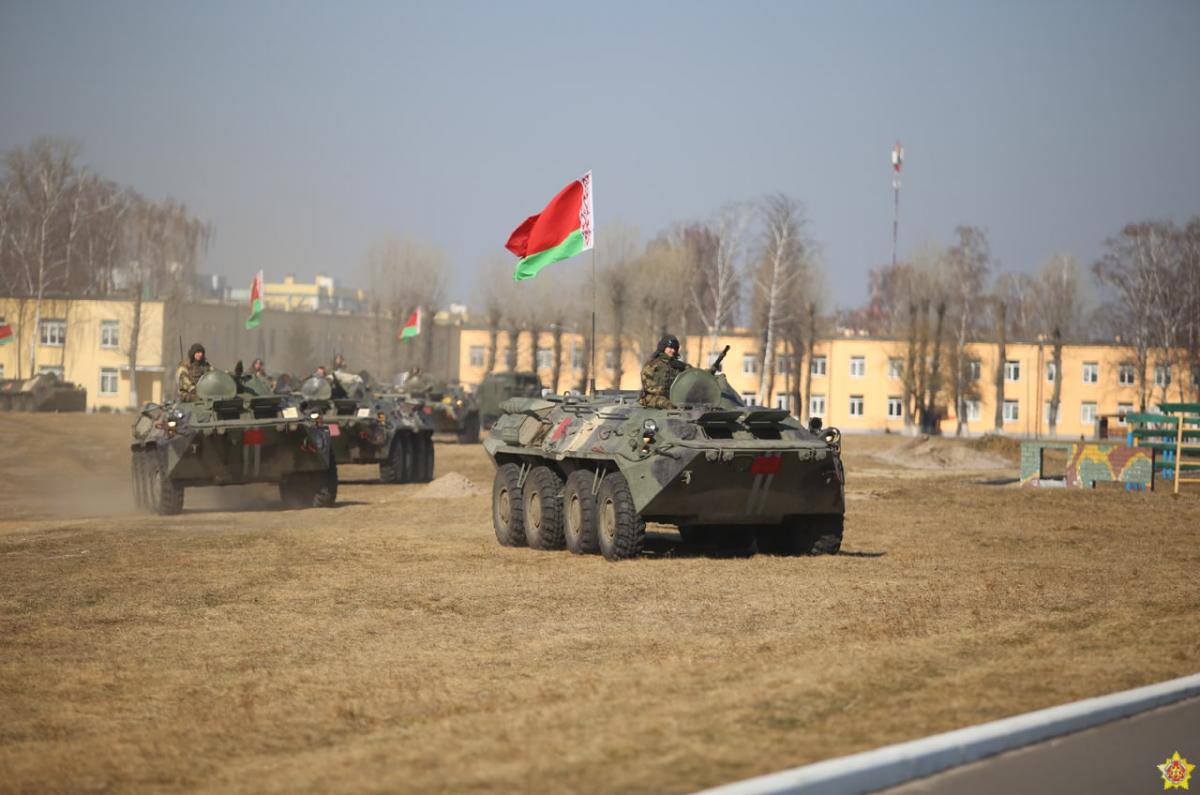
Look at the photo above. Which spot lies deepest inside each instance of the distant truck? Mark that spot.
(499, 387)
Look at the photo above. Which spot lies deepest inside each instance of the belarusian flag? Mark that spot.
(256, 303)
(562, 230)
(412, 327)
(6, 333)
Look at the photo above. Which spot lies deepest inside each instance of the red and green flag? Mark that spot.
(256, 302)
(6, 333)
(560, 231)
(412, 326)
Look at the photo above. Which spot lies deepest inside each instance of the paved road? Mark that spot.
(1119, 757)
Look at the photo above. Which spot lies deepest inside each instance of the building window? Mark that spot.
(856, 405)
(108, 380)
(750, 398)
(54, 332)
(545, 358)
(1087, 413)
(576, 357)
(749, 363)
(783, 365)
(783, 402)
(1122, 410)
(1091, 372)
(858, 366)
(1011, 411)
(974, 370)
(895, 368)
(610, 360)
(1051, 372)
(1125, 375)
(973, 411)
(1162, 375)
(108, 334)
(817, 367)
(1012, 370)
(895, 407)
(816, 406)
(477, 355)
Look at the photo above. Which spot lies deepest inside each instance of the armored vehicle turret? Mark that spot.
(587, 473)
(370, 428)
(230, 435)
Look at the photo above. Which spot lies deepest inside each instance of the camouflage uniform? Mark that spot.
(657, 376)
(188, 375)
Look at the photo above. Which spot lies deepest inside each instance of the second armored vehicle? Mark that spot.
(225, 438)
(366, 428)
(588, 473)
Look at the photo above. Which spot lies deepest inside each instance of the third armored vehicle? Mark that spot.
(366, 428)
(499, 387)
(448, 407)
(589, 472)
(229, 437)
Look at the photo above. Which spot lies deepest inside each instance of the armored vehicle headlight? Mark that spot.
(172, 423)
(364, 412)
(649, 428)
(291, 413)
(316, 415)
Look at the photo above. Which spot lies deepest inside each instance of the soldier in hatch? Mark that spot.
(190, 369)
(660, 372)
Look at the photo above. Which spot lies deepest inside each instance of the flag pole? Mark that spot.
(592, 370)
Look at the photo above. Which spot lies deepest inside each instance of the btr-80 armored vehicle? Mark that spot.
(448, 407)
(589, 472)
(367, 428)
(229, 436)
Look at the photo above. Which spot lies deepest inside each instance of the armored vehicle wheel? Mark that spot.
(542, 509)
(470, 430)
(395, 469)
(621, 529)
(166, 498)
(808, 535)
(138, 476)
(310, 489)
(579, 513)
(427, 475)
(508, 511)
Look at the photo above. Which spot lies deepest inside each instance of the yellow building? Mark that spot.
(321, 295)
(87, 342)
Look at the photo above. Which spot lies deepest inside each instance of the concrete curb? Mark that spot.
(896, 764)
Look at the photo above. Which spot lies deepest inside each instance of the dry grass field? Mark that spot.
(390, 645)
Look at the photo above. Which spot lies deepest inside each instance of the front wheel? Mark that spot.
(395, 468)
(622, 531)
(166, 498)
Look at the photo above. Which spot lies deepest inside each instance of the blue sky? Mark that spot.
(304, 131)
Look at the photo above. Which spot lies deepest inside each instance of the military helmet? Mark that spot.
(668, 341)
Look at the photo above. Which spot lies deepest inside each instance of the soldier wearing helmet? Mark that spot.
(660, 372)
(190, 370)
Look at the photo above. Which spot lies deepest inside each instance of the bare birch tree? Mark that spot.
(778, 287)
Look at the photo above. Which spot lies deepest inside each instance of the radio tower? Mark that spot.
(897, 161)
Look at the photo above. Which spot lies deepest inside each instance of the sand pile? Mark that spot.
(930, 452)
(449, 486)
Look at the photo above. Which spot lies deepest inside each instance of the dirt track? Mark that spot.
(390, 645)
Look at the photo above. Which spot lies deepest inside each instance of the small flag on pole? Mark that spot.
(6, 333)
(560, 231)
(256, 302)
(412, 327)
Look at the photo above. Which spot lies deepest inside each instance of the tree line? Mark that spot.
(68, 231)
